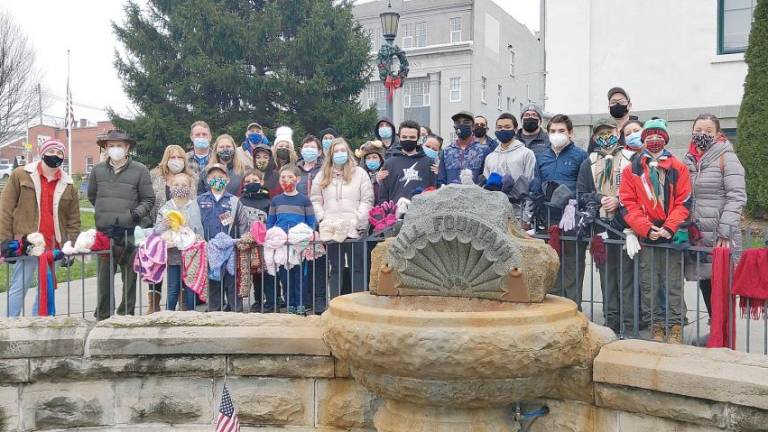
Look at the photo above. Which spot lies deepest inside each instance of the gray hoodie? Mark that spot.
(516, 160)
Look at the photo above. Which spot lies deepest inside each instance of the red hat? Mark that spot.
(52, 144)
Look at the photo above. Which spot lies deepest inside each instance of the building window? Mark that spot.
(415, 35)
(455, 25)
(377, 96)
(511, 62)
(734, 19)
(416, 93)
(376, 39)
(455, 94)
(88, 164)
(483, 89)
(509, 103)
(499, 92)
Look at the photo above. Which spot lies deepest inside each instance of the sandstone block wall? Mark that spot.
(165, 372)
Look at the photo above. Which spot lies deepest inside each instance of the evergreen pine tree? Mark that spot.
(752, 143)
(299, 63)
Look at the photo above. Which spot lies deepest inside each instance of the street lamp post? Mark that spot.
(391, 79)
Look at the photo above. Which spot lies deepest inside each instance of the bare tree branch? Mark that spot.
(19, 79)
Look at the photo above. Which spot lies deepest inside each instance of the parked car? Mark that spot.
(5, 171)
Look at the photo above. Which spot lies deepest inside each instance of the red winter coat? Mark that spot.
(635, 193)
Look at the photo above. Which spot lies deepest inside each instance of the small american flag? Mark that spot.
(227, 421)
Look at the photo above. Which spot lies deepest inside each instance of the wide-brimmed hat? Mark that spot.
(114, 135)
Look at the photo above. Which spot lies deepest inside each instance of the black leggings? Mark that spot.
(705, 285)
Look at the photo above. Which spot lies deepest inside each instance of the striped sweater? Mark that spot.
(288, 211)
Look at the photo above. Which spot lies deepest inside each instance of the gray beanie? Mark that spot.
(532, 107)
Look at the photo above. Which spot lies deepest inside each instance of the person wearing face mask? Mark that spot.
(38, 197)
(719, 197)
(264, 163)
(531, 133)
(183, 199)
(409, 170)
(371, 157)
(254, 135)
(173, 162)
(511, 157)
(221, 212)
(120, 190)
(310, 163)
(200, 155)
(386, 132)
(225, 153)
(480, 131)
(464, 153)
(598, 187)
(619, 105)
(283, 151)
(559, 167)
(342, 196)
(431, 148)
(327, 136)
(632, 132)
(655, 191)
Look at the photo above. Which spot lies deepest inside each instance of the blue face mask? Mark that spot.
(432, 154)
(505, 136)
(373, 165)
(254, 138)
(309, 154)
(201, 143)
(385, 132)
(463, 131)
(634, 141)
(340, 158)
(327, 144)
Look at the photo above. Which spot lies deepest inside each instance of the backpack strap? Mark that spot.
(722, 164)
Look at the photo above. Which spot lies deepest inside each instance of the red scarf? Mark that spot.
(722, 333)
(47, 284)
(554, 238)
(750, 282)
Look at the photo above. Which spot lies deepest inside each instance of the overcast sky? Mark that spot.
(83, 27)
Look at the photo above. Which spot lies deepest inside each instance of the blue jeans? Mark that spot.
(174, 284)
(295, 284)
(24, 272)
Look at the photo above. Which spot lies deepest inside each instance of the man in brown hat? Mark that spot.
(121, 192)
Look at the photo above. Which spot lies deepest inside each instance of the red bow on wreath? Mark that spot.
(392, 83)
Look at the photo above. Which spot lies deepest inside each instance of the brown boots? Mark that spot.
(153, 302)
(673, 336)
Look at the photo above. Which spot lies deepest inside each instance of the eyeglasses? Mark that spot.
(618, 102)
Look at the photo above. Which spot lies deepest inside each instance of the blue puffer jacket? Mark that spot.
(562, 168)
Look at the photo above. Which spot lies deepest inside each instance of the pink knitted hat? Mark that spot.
(52, 144)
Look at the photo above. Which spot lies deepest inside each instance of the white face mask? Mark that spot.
(559, 140)
(116, 153)
(175, 165)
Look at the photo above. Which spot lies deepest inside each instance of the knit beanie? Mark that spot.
(284, 133)
(655, 126)
(52, 144)
(532, 107)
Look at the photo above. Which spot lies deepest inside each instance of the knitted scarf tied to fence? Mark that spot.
(723, 328)
(750, 282)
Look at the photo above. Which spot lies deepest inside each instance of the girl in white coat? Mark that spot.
(342, 196)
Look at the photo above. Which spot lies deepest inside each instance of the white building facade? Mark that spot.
(676, 59)
(463, 55)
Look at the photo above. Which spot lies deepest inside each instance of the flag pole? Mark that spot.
(69, 125)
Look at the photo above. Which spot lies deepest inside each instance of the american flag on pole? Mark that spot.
(227, 420)
(69, 118)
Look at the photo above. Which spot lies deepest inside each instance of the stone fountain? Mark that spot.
(458, 324)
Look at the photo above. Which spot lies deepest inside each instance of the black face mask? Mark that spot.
(408, 145)
(480, 132)
(254, 190)
(53, 161)
(618, 111)
(463, 131)
(283, 154)
(530, 124)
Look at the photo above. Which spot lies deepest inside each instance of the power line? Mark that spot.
(81, 105)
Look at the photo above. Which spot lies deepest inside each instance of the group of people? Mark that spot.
(625, 186)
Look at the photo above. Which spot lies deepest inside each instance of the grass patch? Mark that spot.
(78, 269)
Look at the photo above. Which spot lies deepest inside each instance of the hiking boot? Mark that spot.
(657, 333)
(153, 305)
(675, 335)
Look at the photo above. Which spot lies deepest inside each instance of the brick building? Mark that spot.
(85, 152)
